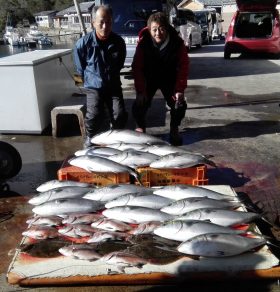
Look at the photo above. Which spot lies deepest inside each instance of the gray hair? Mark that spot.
(106, 8)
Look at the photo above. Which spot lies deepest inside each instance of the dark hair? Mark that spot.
(107, 8)
(160, 18)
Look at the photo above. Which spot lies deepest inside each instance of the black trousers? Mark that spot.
(97, 101)
(177, 112)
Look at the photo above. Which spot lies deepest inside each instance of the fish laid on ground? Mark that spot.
(180, 191)
(101, 164)
(140, 200)
(126, 136)
(98, 151)
(105, 235)
(44, 221)
(41, 232)
(111, 225)
(53, 184)
(145, 228)
(59, 193)
(111, 192)
(136, 215)
(184, 230)
(134, 158)
(77, 230)
(220, 216)
(80, 251)
(67, 206)
(219, 245)
(180, 160)
(124, 259)
(82, 218)
(186, 205)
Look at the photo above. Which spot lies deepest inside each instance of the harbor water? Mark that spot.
(58, 43)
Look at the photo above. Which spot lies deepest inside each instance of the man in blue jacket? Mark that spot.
(99, 57)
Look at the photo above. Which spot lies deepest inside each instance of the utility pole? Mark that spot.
(77, 6)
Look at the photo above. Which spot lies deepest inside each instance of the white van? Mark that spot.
(188, 28)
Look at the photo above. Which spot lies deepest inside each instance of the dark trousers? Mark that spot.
(97, 101)
(177, 112)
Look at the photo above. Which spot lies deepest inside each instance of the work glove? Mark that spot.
(179, 99)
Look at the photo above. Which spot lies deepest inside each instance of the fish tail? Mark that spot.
(137, 176)
(210, 162)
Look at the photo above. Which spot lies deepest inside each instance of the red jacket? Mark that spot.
(171, 66)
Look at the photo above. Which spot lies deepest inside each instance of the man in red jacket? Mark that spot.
(160, 62)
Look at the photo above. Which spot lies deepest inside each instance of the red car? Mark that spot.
(254, 28)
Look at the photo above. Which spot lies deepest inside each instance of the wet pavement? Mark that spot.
(233, 114)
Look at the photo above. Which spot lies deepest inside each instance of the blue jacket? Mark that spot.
(99, 62)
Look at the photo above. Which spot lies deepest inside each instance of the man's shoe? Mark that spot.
(175, 138)
(140, 130)
(87, 142)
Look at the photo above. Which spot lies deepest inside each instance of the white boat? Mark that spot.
(10, 36)
(34, 33)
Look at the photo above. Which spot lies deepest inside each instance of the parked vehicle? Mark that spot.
(254, 27)
(189, 29)
(204, 18)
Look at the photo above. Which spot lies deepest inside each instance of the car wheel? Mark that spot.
(199, 45)
(227, 54)
(10, 161)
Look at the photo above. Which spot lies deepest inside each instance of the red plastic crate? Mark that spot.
(160, 177)
(69, 172)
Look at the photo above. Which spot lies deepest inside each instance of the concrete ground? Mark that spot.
(233, 114)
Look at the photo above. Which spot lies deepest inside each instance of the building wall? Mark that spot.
(193, 6)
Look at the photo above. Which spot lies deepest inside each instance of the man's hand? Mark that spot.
(179, 96)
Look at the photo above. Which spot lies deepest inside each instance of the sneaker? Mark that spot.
(175, 138)
(87, 142)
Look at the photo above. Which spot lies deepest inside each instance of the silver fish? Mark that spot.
(180, 160)
(219, 245)
(111, 192)
(186, 205)
(127, 136)
(136, 214)
(145, 228)
(130, 146)
(67, 206)
(44, 221)
(220, 216)
(41, 232)
(162, 150)
(111, 225)
(80, 251)
(98, 151)
(59, 193)
(124, 259)
(105, 235)
(53, 184)
(184, 230)
(77, 230)
(134, 158)
(101, 164)
(141, 200)
(180, 191)
(82, 218)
